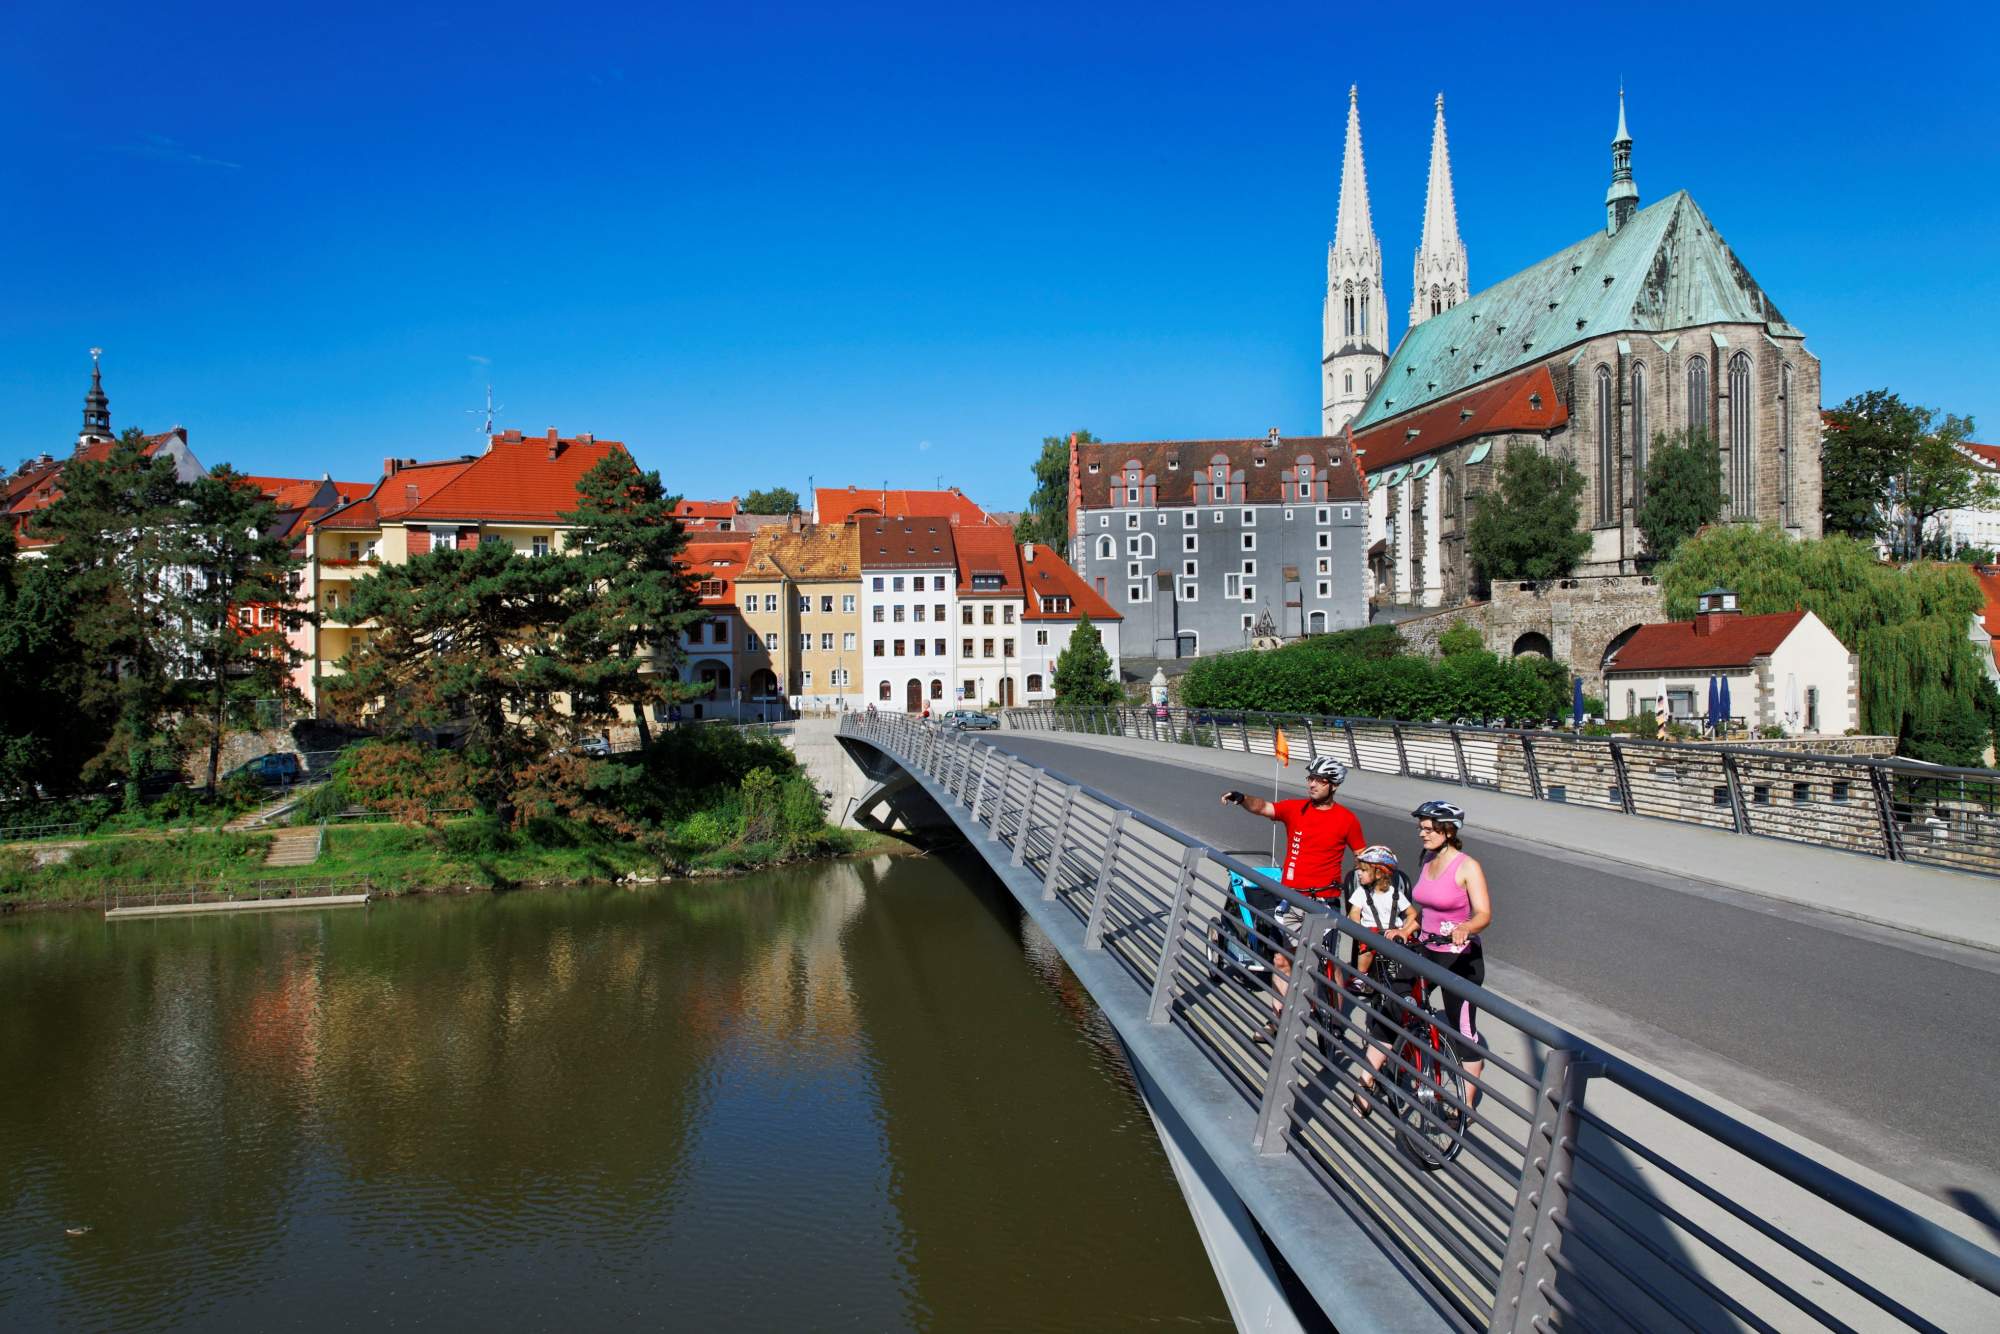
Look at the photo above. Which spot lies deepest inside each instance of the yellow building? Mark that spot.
(801, 594)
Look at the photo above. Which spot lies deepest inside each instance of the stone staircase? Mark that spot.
(293, 847)
(263, 815)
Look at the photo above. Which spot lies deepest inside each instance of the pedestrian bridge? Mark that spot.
(1577, 1190)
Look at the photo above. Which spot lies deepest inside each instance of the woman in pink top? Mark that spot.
(1453, 907)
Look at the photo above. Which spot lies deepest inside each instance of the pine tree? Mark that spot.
(1683, 490)
(1527, 529)
(242, 571)
(633, 598)
(114, 531)
(1083, 669)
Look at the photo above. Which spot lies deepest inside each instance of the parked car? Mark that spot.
(971, 720)
(595, 747)
(275, 770)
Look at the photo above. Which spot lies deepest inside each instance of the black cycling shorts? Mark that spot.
(1461, 1026)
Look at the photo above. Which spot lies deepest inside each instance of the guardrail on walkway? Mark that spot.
(1644, 1208)
(1896, 809)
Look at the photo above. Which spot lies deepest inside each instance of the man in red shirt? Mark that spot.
(1319, 831)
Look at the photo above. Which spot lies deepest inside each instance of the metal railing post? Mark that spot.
(1093, 931)
(979, 792)
(1885, 806)
(1737, 814)
(1163, 973)
(1056, 843)
(1458, 749)
(1402, 751)
(1624, 778)
(1312, 750)
(1021, 829)
(1215, 727)
(1522, 1300)
(1243, 730)
(1006, 783)
(1270, 1134)
(1534, 770)
(1353, 747)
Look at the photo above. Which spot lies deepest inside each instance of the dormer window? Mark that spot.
(1534, 402)
(1094, 468)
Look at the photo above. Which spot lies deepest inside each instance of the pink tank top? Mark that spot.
(1442, 902)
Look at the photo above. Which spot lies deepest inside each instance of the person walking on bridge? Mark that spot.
(1454, 906)
(1319, 831)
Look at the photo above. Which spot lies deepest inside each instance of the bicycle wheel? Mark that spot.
(1429, 1109)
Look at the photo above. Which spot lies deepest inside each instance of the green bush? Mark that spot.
(803, 809)
(762, 816)
(703, 831)
(1304, 678)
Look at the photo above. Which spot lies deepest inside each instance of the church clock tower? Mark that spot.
(1354, 339)
(1442, 280)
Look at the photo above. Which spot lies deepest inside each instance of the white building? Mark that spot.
(1055, 598)
(909, 617)
(1786, 669)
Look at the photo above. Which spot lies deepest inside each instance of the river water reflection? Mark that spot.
(864, 1095)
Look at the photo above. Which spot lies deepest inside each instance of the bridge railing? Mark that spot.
(1525, 1179)
(1891, 808)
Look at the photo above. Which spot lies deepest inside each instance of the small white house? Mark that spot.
(1786, 669)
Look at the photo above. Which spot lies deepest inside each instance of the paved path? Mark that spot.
(1868, 1040)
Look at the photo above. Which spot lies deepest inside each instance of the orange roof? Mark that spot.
(1989, 584)
(1734, 641)
(1526, 401)
(1987, 454)
(717, 563)
(1050, 576)
(833, 505)
(397, 493)
(911, 543)
(39, 485)
(705, 509)
(988, 550)
(289, 493)
(351, 491)
(517, 479)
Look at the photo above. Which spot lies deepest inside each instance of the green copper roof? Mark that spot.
(1667, 268)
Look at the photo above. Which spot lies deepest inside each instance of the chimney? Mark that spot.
(389, 467)
(555, 444)
(1028, 552)
(1712, 609)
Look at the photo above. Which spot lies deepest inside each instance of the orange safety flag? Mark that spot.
(1282, 748)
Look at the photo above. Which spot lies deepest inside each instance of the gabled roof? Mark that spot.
(1524, 401)
(516, 480)
(1177, 467)
(289, 493)
(814, 554)
(833, 504)
(1667, 268)
(717, 561)
(1049, 575)
(396, 494)
(39, 485)
(892, 544)
(988, 551)
(1735, 641)
(1986, 454)
(694, 511)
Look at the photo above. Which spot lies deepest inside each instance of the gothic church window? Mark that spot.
(1437, 301)
(1742, 440)
(1348, 309)
(1350, 382)
(1607, 458)
(1638, 431)
(1364, 314)
(1697, 399)
(1785, 379)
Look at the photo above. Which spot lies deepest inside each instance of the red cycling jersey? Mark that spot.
(1316, 843)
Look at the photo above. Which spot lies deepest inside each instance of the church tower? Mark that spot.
(1354, 338)
(1621, 201)
(96, 407)
(1442, 280)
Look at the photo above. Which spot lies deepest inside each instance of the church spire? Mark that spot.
(1354, 331)
(1622, 199)
(1441, 279)
(96, 407)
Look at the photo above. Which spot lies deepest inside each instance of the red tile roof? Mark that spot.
(902, 544)
(289, 493)
(1170, 470)
(693, 512)
(1987, 454)
(717, 563)
(397, 493)
(1989, 584)
(40, 485)
(517, 479)
(1524, 402)
(1734, 641)
(1049, 575)
(988, 550)
(833, 505)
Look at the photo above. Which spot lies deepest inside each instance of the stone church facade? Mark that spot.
(1648, 328)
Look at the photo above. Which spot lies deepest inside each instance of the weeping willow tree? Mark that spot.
(1922, 680)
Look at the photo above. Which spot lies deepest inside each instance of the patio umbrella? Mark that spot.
(1576, 701)
(1724, 715)
(1714, 703)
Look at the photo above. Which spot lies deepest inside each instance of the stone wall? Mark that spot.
(1578, 619)
(1873, 747)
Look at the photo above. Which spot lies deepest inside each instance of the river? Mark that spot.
(863, 1095)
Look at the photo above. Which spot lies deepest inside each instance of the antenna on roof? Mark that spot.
(488, 410)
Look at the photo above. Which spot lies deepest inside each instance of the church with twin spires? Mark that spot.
(1647, 328)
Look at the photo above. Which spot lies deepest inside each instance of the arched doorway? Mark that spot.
(1534, 642)
(913, 696)
(937, 690)
(763, 684)
(1006, 692)
(1316, 623)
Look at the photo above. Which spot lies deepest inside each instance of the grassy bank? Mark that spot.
(475, 852)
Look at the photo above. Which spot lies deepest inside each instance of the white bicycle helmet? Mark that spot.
(1327, 767)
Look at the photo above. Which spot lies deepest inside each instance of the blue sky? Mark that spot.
(761, 243)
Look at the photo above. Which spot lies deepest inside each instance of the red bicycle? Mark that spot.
(1420, 1084)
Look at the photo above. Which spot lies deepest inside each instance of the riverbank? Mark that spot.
(469, 855)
